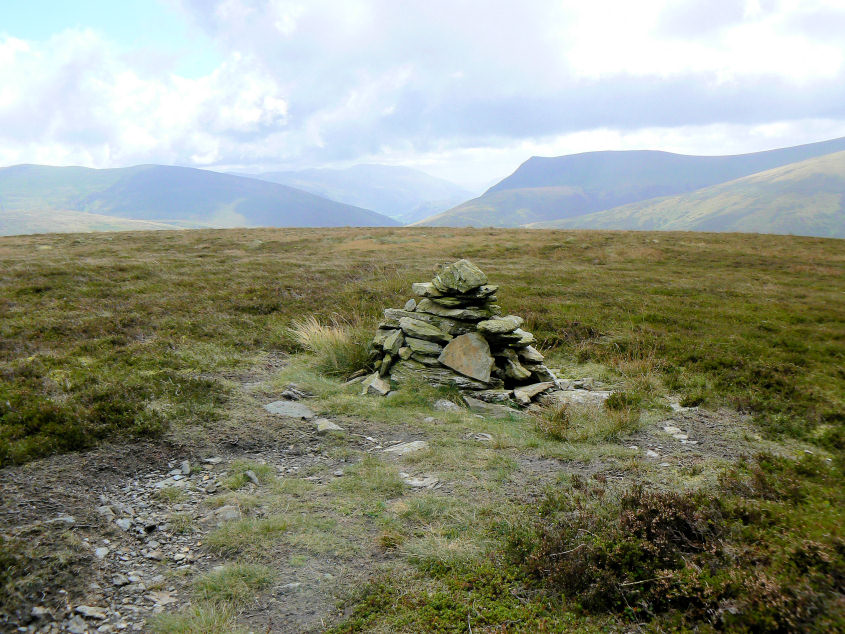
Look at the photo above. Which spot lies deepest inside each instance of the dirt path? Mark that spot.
(117, 535)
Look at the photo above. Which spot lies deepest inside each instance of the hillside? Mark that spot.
(58, 221)
(402, 193)
(595, 181)
(160, 494)
(174, 194)
(803, 198)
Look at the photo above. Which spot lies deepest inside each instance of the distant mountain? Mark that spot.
(402, 193)
(13, 223)
(173, 194)
(545, 189)
(804, 198)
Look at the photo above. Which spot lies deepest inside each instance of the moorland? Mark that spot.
(122, 355)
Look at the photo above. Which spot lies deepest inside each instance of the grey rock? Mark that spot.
(426, 482)
(292, 409)
(374, 384)
(40, 613)
(185, 467)
(381, 336)
(120, 580)
(529, 354)
(91, 612)
(461, 276)
(425, 289)
(410, 371)
(76, 625)
(450, 326)
(124, 523)
(500, 325)
(494, 396)
(101, 552)
(250, 475)
(469, 355)
(422, 346)
(405, 352)
(384, 366)
(488, 409)
(337, 473)
(106, 511)
(442, 405)
(404, 448)
(411, 304)
(423, 330)
(223, 514)
(525, 394)
(325, 426)
(513, 368)
(213, 460)
(393, 342)
(467, 314)
(578, 397)
(425, 359)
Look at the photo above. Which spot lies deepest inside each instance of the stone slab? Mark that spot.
(469, 355)
(292, 409)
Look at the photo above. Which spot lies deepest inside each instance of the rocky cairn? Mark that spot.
(455, 335)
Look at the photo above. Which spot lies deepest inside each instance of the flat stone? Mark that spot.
(467, 314)
(40, 612)
(469, 355)
(411, 371)
(101, 552)
(513, 368)
(213, 460)
(393, 342)
(292, 409)
(404, 448)
(91, 612)
(524, 395)
(442, 405)
(578, 397)
(425, 359)
(376, 385)
(124, 523)
(426, 482)
(461, 276)
(381, 336)
(529, 354)
(325, 426)
(488, 409)
(419, 329)
(425, 289)
(223, 514)
(76, 625)
(405, 352)
(411, 304)
(250, 475)
(500, 325)
(422, 346)
(494, 396)
(451, 326)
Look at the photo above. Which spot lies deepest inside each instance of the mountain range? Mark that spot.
(167, 194)
(402, 193)
(798, 190)
(804, 198)
(549, 191)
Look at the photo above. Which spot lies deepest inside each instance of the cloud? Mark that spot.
(323, 82)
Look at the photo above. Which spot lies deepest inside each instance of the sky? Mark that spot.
(464, 90)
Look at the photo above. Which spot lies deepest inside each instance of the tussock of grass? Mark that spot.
(248, 536)
(198, 619)
(234, 584)
(339, 348)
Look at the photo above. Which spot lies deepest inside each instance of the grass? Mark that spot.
(126, 335)
(233, 584)
(120, 336)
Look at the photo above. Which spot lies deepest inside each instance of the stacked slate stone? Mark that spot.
(454, 335)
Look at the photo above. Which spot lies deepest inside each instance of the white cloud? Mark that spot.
(460, 88)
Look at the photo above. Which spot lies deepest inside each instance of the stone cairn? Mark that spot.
(454, 335)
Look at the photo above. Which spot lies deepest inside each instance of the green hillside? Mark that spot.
(174, 194)
(595, 181)
(57, 221)
(402, 193)
(804, 198)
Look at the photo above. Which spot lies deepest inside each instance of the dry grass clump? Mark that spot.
(339, 347)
